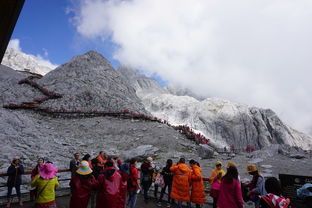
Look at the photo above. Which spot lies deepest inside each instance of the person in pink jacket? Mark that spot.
(230, 195)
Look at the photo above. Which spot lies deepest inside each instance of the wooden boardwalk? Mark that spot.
(63, 202)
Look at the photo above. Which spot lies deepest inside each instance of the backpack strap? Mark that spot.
(41, 190)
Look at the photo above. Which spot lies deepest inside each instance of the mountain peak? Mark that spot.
(89, 60)
(89, 82)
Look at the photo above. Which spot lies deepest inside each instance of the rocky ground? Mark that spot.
(269, 166)
(57, 138)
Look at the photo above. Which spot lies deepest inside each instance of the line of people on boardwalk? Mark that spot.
(109, 181)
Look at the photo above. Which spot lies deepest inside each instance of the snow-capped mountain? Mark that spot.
(24, 62)
(224, 122)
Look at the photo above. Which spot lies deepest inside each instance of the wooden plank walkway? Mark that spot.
(63, 202)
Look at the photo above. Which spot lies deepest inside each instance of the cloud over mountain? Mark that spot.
(255, 52)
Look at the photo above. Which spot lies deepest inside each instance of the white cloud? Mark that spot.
(44, 62)
(45, 52)
(256, 52)
(15, 44)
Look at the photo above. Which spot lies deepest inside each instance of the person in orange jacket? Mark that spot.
(102, 158)
(198, 192)
(181, 182)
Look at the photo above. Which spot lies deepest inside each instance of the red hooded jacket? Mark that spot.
(109, 189)
(82, 188)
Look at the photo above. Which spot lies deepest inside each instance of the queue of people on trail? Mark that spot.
(111, 183)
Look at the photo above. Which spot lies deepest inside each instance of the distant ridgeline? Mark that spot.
(127, 114)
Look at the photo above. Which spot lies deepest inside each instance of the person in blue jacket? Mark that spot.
(15, 172)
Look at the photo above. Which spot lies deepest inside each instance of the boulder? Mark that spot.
(297, 156)
(140, 152)
(204, 151)
(266, 166)
(256, 161)
(292, 152)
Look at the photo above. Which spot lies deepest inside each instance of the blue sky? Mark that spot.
(45, 26)
(255, 52)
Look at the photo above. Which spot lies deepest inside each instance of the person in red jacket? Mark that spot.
(109, 187)
(34, 172)
(132, 184)
(82, 184)
(230, 195)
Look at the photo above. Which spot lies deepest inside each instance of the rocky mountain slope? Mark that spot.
(224, 122)
(142, 84)
(88, 83)
(23, 62)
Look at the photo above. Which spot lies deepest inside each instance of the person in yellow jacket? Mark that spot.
(45, 182)
(198, 192)
(215, 181)
(181, 182)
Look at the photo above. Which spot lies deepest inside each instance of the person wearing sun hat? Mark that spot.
(215, 181)
(82, 184)
(231, 164)
(45, 182)
(256, 186)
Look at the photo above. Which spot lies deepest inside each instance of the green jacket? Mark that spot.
(45, 188)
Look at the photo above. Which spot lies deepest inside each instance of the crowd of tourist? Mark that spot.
(112, 183)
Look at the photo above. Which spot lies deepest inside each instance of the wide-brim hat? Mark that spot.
(218, 163)
(47, 171)
(231, 164)
(251, 168)
(84, 168)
